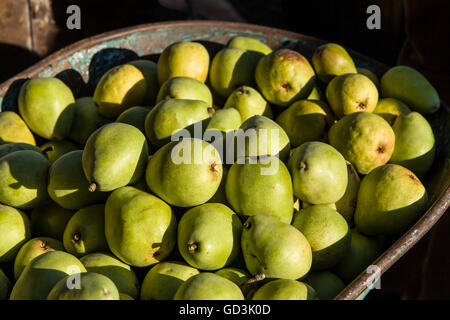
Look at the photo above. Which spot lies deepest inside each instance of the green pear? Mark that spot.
(209, 236)
(184, 88)
(319, 173)
(150, 72)
(173, 115)
(390, 109)
(265, 138)
(369, 74)
(134, 116)
(231, 68)
(331, 60)
(410, 86)
(285, 289)
(47, 106)
(275, 249)
(13, 129)
(18, 146)
(414, 143)
(303, 121)
(33, 248)
(23, 179)
(5, 286)
(363, 251)
(85, 231)
(347, 204)
(351, 93)
(208, 286)
(225, 120)
(183, 59)
(390, 200)
(236, 275)
(15, 231)
(284, 76)
(50, 221)
(250, 44)
(220, 195)
(260, 187)
(140, 228)
(326, 284)
(120, 273)
(249, 102)
(327, 232)
(364, 139)
(120, 88)
(68, 186)
(53, 150)
(43, 273)
(164, 279)
(115, 155)
(93, 286)
(185, 173)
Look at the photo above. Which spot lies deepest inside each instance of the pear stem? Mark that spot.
(92, 187)
(251, 284)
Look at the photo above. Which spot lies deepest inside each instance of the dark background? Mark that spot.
(413, 32)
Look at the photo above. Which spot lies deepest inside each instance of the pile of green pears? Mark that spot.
(94, 205)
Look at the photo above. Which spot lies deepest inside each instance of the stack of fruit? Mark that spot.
(140, 178)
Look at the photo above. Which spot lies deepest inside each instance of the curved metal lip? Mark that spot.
(365, 280)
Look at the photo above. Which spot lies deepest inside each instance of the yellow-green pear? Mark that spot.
(15, 230)
(150, 72)
(390, 109)
(13, 129)
(369, 74)
(134, 116)
(53, 150)
(236, 275)
(249, 102)
(331, 60)
(250, 44)
(185, 88)
(347, 204)
(285, 289)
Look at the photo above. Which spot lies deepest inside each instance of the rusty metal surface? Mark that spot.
(82, 64)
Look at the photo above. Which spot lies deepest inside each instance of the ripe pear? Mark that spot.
(319, 173)
(390, 109)
(164, 279)
(115, 155)
(326, 231)
(53, 150)
(120, 88)
(331, 60)
(23, 179)
(13, 129)
(275, 249)
(303, 121)
(184, 88)
(326, 284)
(410, 86)
(50, 220)
(185, 173)
(93, 286)
(351, 93)
(265, 138)
(5, 286)
(414, 143)
(250, 44)
(33, 248)
(47, 107)
(134, 116)
(284, 76)
(249, 102)
(85, 231)
(231, 68)
(369, 74)
(285, 289)
(260, 187)
(120, 273)
(43, 273)
(183, 59)
(347, 204)
(363, 251)
(236, 275)
(140, 228)
(208, 286)
(15, 231)
(86, 120)
(209, 236)
(364, 139)
(173, 115)
(150, 72)
(390, 199)
(17, 146)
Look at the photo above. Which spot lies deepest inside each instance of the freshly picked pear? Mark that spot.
(326, 284)
(13, 129)
(53, 150)
(184, 88)
(369, 74)
(249, 102)
(150, 72)
(285, 289)
(284, 76)
(390, 200)
(351, 93)
(347, 204)
(15, 230)
(250, 44)
(408, 85)
(50, 220)
(365, 139)
(390, 109)
(331, 60)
